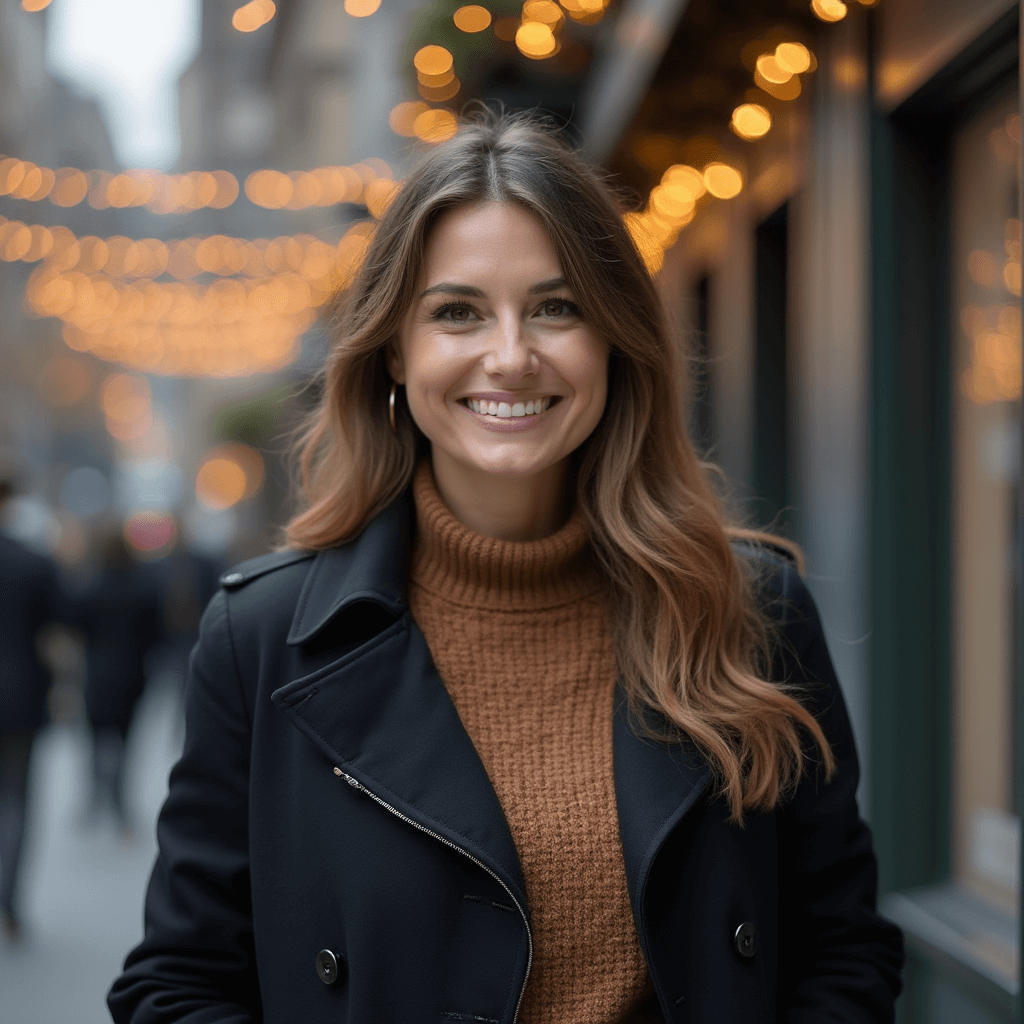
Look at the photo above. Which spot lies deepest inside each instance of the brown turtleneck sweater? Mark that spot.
(519, 633)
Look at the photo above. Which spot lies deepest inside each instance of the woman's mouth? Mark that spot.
(509, 410)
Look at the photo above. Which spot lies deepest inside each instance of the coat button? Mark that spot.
(327, 966)
(746, 940)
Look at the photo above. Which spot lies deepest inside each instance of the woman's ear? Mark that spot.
(393, 361)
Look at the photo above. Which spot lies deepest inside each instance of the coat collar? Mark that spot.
(383, 715)
(369, 568)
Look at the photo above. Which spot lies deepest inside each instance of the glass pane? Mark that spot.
(986, 475)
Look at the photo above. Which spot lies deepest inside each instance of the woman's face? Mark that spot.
(502, 373)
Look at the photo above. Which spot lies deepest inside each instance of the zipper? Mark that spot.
(356, 784)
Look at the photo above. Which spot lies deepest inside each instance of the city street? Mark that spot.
(83, 885)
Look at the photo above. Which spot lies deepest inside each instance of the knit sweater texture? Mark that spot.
(520, 635)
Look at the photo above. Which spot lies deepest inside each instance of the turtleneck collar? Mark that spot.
(467, 568)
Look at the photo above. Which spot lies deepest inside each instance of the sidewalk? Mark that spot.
(83, 887)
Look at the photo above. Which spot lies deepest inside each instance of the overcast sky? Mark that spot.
(128, 53)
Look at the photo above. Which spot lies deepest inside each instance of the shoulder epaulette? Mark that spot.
(244, 572)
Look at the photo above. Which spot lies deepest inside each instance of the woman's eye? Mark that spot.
(454, 314)
(559, 308)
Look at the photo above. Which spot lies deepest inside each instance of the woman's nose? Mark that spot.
(510, 353)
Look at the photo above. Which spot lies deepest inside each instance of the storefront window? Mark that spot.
(986, 492)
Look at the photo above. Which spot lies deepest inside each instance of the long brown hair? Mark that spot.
(692, 641)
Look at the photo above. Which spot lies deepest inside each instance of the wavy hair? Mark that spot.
(692, 640)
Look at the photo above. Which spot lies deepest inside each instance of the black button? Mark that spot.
(746, 940)
(327, 966)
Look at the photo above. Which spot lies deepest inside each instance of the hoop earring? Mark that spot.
(391, 409)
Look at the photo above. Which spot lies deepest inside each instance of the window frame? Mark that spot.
(911, 449)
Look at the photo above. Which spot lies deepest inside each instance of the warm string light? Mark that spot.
(246, 321)
(672, 203)
(435, 73)
(472, 18)
(586, 12)
(253, 15)
(361, 8)
(228, 474)
(537, 36)
(184, 193)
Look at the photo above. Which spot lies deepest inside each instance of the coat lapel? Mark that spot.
(382, 714)
(656, 784)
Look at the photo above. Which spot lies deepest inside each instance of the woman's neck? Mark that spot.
(508, 507)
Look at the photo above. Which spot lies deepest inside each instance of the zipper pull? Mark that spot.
(348, 778)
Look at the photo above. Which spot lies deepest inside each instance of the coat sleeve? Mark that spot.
(196, 962)
(839, 961)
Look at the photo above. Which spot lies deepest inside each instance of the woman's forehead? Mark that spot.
(487, 239)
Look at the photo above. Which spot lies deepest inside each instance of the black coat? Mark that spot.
(329, 799)
(29, 600)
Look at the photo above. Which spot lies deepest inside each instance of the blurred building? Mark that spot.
(830, 193)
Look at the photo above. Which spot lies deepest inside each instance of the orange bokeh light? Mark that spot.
(433, 60)
(472, 18)
(253, 15)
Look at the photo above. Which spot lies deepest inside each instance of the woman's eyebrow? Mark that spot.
(448, 288)
(548, 286)
(451, 288)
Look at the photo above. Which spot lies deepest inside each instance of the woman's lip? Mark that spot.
(505, 396)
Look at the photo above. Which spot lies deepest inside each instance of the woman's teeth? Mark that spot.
(505, 411)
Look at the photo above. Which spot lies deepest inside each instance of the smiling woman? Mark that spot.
(502, 374)
(597, 766)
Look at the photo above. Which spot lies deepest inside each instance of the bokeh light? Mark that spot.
(403, 117)
(793, 57)
(253, 15)
(723, 181)
(435, 125)
(150, 533)
(127, 405)
(361, 8)
(472, 18)
(751, 121)
(535, 39)
(433, 60)
(228, 474)
(829, 10)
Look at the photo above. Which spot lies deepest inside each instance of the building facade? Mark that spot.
(853, 312)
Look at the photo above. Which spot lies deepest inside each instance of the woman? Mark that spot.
(513, 731)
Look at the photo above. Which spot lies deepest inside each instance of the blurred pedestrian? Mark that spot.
(188, 579)
(119, 614)
(29, 599)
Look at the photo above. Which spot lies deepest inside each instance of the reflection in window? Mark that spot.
(986, 492)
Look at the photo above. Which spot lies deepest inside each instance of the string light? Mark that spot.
(829, 10)
(435, 125)
(253, 15)
(472, 18)
(534, 39)
(433, 60)
(361, 8)
(751, 121)
(184, 193)
(672, 203)
(248, 320)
